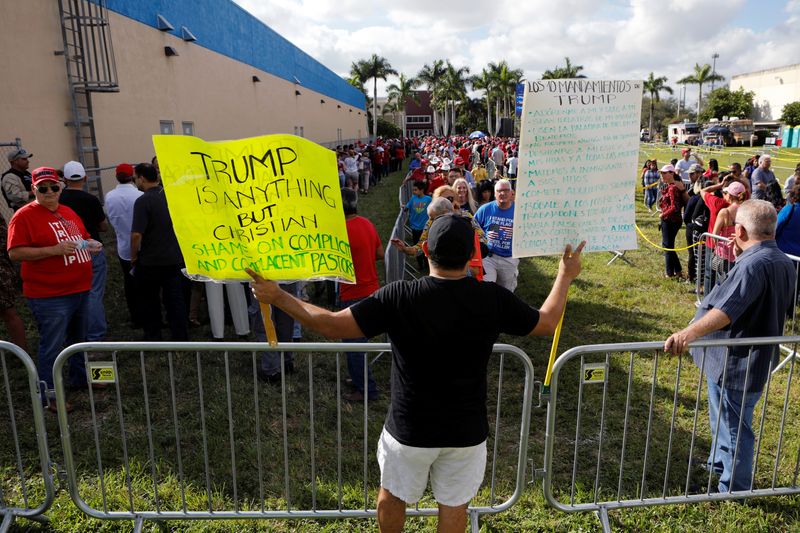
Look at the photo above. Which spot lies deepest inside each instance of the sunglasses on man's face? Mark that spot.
(44, 189)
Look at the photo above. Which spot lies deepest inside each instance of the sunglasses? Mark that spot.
(44, 189)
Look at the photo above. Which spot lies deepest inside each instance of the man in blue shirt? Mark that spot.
(762, 175)
(416, 161)
(751, 302)
(497, 220)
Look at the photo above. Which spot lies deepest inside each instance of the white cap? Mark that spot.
(74, 171)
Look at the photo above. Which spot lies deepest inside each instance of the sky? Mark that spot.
(613, 39)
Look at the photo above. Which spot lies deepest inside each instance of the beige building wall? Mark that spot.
(774, 89)
(213, 92)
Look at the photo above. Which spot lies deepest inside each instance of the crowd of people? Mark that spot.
(52, 233)
(704, 199)
(461, 215)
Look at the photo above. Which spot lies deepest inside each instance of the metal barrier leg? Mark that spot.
(474, 521)
(789, 358)
(618, 255)
(602, 515)
(8, 519)
(138, 525)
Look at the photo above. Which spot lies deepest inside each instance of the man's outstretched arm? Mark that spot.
(333, 325)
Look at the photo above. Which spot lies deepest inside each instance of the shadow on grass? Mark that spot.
(242, 462)
(641, 438)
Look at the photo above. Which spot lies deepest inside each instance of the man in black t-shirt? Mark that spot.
(437, 422)
(89, 209)
(156, 258)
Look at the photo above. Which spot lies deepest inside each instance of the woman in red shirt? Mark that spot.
(672, 200)
(51, 242)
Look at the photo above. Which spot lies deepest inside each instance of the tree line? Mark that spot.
(454, 111)
(452, 107)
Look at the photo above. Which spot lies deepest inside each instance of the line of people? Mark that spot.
(54, 240)
(705, 200)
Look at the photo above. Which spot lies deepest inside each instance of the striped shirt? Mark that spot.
(755, 296)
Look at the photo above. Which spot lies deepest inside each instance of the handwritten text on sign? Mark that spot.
(578, 158)
(269, 203)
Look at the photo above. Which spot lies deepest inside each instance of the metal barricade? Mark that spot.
(658, 452)
(26, 489)
(395, 260)
(397, 267)
(791, 329)
(712, 264)
(187, 431)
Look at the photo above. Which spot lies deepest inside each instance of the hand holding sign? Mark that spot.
(579, 147)
(267, 204)
(271, 204)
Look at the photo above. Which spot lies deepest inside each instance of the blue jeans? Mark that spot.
(61, 320)
(355, 362)
(669, 230)
(724, 448)
(269, 363)
(97, 312)
(650, 197)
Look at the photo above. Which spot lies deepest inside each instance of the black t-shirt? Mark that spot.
(151, 218)
(442, 332)
(86, 206)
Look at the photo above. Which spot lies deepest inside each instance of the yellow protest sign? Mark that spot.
(269, 203)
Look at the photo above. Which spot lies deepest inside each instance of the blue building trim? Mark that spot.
(226, 28)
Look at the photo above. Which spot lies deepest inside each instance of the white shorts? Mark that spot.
(501, 270)
(456, 473)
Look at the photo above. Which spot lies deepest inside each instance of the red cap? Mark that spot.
(459, 162)
(125, 169)
(44, 174)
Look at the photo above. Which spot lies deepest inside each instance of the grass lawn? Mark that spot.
(609, 303)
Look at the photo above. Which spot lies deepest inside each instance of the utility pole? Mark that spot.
(714, 68)
(681, 99)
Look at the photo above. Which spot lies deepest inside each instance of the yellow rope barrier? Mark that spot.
(666, 249)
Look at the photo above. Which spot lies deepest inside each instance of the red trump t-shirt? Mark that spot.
(36, 226)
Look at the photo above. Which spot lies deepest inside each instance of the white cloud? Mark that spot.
(613, 39)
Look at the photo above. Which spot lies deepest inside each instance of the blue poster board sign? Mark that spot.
(520, 96)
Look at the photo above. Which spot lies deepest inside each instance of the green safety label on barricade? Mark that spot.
(101, 372)
(594, 373)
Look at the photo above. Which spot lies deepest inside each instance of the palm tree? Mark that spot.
(376, 67)
(504, 83)
(450, 90)
(567, 71)
(484, 82)
(701, 76)
(430, 76)
(654, 86)
(469, 118)
(358, 75)
(400, 93)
